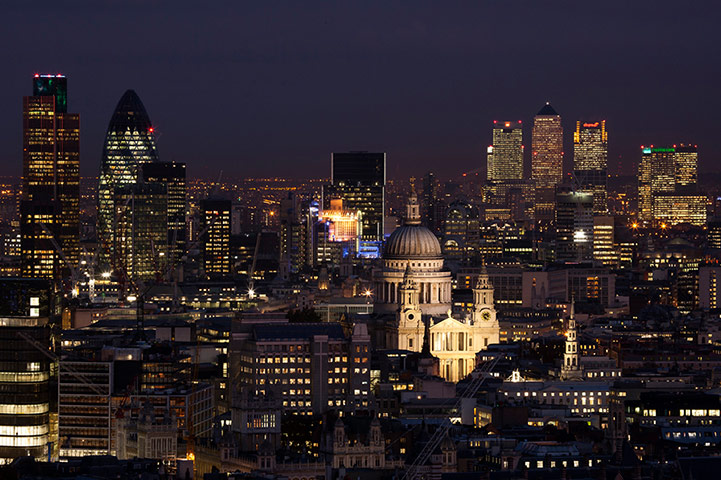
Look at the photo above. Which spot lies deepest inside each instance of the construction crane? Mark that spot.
(251, 281)
(74, 373)
(74, 273)
(479, 377)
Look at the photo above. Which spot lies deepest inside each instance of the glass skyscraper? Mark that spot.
(505, 157)
(656, 175)
(359, 179)
(546, 160)
(590, 161)
(129, 142)
(51, 179)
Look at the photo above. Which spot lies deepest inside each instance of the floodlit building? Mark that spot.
(414, 245)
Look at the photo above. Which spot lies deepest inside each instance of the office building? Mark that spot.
(359, 179)
(141, 229)
(51, 180)
(25, 394)
(667, 187)
(656, 174)
(709, 287)
(505, 156)
(674, 208)
(313, 367)
(604, 249)
(215, 232)
(85, 408)
(546, 160)
(129, 142)
(462, 234)
(713, 233)
(574, 226)
(434, 206)
(171, 176)
(590, 162)
(686, 165)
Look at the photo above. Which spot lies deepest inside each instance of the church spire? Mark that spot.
(426, 349)
(571, 369)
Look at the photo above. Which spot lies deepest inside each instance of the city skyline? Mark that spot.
(426, 100)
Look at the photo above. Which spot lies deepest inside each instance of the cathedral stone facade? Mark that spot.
(414, 246)
(414, 284)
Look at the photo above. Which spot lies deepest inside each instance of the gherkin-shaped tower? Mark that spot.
(129, 142)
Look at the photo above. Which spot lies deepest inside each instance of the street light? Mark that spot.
(368, 293)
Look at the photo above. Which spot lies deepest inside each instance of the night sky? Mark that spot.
(271, 88)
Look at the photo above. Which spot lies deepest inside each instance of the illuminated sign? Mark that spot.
(591, 125)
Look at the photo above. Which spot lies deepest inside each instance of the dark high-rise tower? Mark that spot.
(171, 177)
(129, 142)
(51, 179)
(359, 178)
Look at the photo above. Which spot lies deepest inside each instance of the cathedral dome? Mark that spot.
(411, 242)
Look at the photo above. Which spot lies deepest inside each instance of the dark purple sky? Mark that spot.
(271, 88)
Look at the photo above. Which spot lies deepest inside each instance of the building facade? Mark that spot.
(546, 160)
(215, 231)
(49, 207)
(359, 179)
(416, 246)
(311, 368)
(129, 142)
(171, 177)
(590, 162)
(505, 156)
(25, 395)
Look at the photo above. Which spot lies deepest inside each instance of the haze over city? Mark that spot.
(360, 241)
(253, 88)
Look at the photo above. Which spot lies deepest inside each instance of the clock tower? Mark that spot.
(410, 323)
(483, 317)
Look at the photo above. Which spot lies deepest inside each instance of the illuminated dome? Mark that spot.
(411, 242)
(414, 249)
